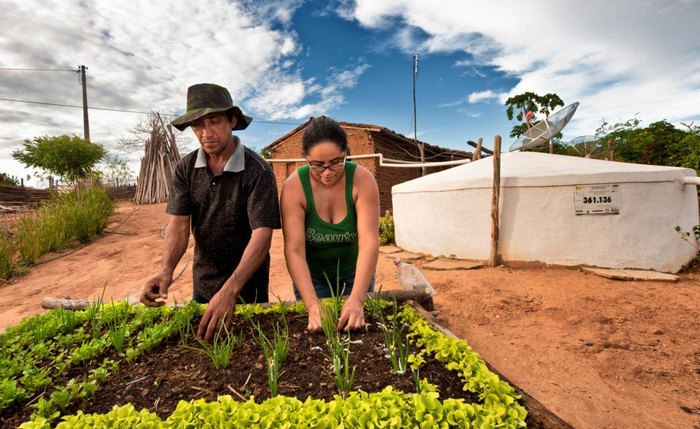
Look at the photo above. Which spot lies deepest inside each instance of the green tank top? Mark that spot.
(330, 247)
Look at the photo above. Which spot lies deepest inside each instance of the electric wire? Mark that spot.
(124, 110)
(39, 70)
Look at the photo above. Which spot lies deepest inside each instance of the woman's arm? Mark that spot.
(366, 195)
(293, 214)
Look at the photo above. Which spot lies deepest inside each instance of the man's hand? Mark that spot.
(220, 310)
(352, 316)
(156, 288)
(314, 318)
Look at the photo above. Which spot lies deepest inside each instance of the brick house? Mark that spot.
(367, 142)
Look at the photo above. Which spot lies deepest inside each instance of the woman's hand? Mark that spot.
(314, 324)
(352, 316)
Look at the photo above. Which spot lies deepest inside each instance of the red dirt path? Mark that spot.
(599, 353)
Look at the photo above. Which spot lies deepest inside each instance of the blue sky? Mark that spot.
(286, 60)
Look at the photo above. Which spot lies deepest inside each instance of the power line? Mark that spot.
(72, 105)
(41, 70)
(124, 110)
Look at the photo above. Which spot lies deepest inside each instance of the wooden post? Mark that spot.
(86, 121)
(477, 152)
(493, 258)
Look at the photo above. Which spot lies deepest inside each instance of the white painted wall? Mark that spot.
(449, 213)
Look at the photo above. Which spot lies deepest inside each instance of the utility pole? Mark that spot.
(421, 147)
(86, 121)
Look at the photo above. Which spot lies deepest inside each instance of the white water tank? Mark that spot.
(554, 209)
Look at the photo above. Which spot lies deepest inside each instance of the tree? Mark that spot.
(692, 142)
(658, 144)
(143, 130)
(115, 170)
(663, 145)
(69, 157)
(520, 104)
(620, 138)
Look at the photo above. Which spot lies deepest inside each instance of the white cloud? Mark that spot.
(476, 97)
(451, 104)
(617, 59)
(143, 55)
(285, 96)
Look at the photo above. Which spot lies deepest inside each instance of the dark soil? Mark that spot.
(158, 380)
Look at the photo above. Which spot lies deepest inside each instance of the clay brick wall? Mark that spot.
(358, 143)
(361, 141)
(288, 149)
(389, 176)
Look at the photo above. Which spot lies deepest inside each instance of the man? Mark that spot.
(228, 194)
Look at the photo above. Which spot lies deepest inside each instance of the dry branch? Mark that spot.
(157, 165)
(420, 296)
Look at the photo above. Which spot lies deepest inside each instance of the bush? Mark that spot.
(7, 263)
(386, 229)
(75, 216)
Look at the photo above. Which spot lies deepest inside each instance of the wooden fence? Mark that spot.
(13, 197)
(20, 197)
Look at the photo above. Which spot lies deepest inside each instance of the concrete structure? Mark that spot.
(365, 140)
(546, 210)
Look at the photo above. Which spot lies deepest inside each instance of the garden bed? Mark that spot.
(138, 358)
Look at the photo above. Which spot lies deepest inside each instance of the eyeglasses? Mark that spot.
(320, 168)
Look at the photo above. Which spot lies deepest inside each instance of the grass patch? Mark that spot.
(7, 263)
(64, 221)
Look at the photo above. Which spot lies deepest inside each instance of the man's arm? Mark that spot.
(221, 306)
(177, 236)
(263, 214)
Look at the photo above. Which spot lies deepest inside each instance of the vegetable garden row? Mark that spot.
(119, 365)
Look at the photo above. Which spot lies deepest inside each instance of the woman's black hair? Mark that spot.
(323, 129)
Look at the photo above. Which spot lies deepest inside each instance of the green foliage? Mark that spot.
(275, 350)
(9, 392)
(70, 157)
(397, 344)
(691, 141)
(182, 319)
(386, 229)
(221, 349)
(661, 145)
(338, 348)
(388, 408)
(265, 153)
(114, 171)
(66, 217)
(7, 180)
(658, 144)
(9, 267)
(118, 327)
(500, 399)
(519, 104)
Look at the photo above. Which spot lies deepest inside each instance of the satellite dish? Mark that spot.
(545, 129)
(585, 146)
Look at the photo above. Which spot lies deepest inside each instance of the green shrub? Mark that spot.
(386, 229)
(7, 263)
(75, 216)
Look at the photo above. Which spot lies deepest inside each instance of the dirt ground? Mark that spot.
(599, 353)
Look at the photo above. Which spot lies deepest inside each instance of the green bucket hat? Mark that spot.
(206, 98)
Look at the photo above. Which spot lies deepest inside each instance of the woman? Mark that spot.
(330, 216)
